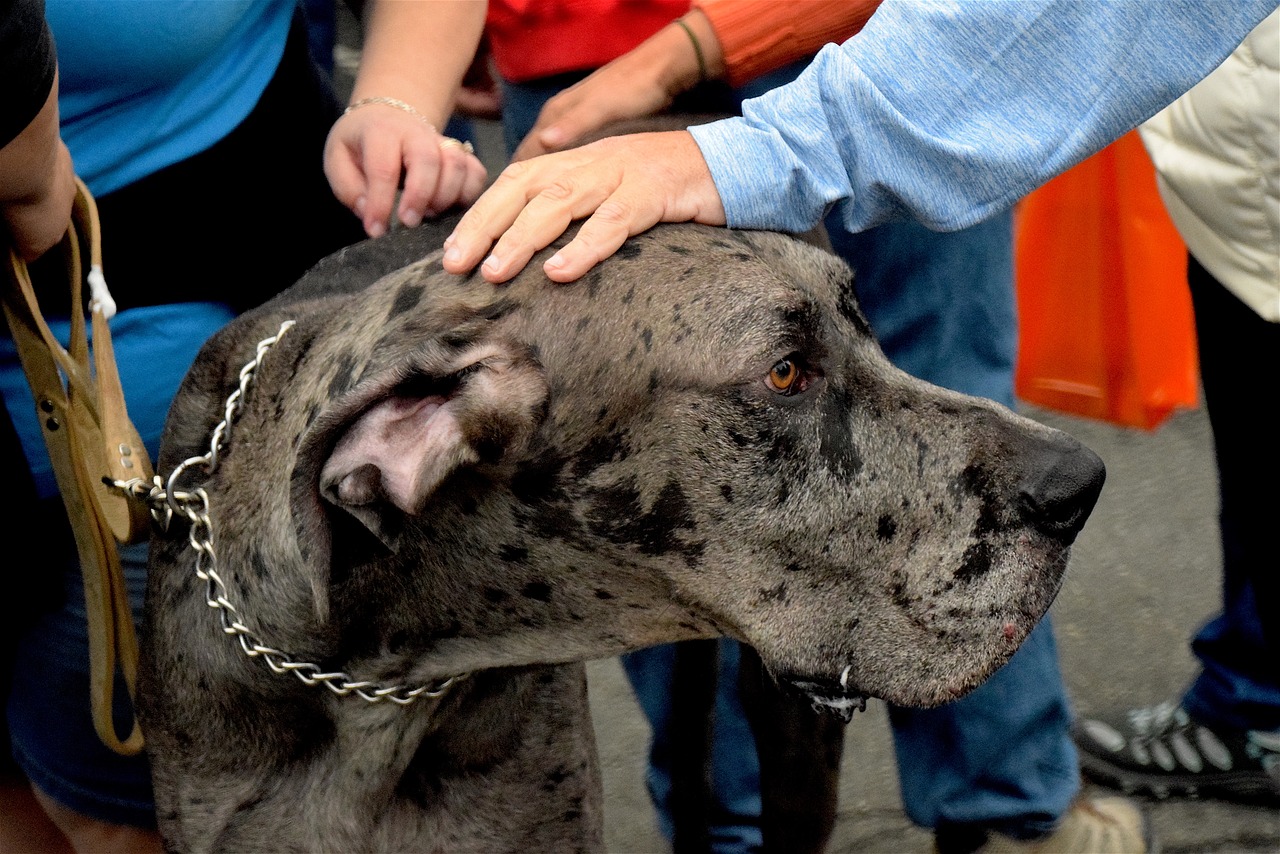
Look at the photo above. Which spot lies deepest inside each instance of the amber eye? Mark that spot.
(783, 376)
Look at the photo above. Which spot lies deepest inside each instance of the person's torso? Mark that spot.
(531, 39)
(1217, 153)
(147, 83)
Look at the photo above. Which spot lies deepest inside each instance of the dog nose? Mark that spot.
(1058, 495)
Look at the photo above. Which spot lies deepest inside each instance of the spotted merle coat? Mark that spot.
(432, 476)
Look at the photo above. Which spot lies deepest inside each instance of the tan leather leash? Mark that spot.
(92, 443)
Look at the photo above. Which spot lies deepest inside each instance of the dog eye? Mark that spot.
(785, 377)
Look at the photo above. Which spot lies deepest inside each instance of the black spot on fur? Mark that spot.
(539, 590)
(514, 554)
(629, 295)
(835, 441)
(555, 778)
(498, 309)
(677, 249)
(538, 480)
(726, 492)
(977, 482)
(341, 380)
(608, 447)
(777, 593)
(977, 563)
(406, 299)
(450, 629)
(739, 438)
(260, 567)
(494, 595)
(886, 527)
(630, 249)
(898, 591)
(604, 594)
(616, 515)
(398, 642)
(459, 338)
(646, 335)
(583, 322)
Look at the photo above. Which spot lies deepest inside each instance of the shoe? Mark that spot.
(1162, 751)
(1092, 826)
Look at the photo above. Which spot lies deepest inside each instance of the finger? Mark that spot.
(453, 171)
(561, 123)
(346, 178)
(473, 182)
(383, 166)
(543, 219)
(493, 212)
(616, 219)
(423, 165)
(514, 190)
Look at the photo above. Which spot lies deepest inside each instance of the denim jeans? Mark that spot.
(943, 308)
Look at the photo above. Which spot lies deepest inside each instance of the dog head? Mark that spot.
(700, 437)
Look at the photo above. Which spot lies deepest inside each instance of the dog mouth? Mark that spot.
(833, 696)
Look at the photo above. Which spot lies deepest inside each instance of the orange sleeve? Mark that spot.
(758, 36)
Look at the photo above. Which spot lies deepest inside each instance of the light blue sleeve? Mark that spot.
(947, 112)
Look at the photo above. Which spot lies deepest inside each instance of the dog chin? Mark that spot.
(829, 697)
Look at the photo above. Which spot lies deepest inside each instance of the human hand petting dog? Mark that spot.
(622, 186)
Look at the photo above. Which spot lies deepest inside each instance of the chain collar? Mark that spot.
(166, 500)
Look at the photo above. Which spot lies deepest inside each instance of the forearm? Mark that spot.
(28, 161)
(27, 66)
(417, 52)
(1012, 94)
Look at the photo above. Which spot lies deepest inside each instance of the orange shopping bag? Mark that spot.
(1104, 310)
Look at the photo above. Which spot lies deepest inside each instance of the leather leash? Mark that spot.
(92, 443)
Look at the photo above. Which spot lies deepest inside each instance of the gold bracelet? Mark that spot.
(390, 102)
(697, 50)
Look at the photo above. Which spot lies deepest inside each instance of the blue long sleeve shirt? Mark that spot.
(947, 112)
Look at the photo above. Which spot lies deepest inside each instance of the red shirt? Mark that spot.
(538, 38)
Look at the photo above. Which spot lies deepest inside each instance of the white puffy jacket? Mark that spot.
(1217, 155)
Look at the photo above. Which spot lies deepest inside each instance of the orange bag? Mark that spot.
(1105, 314)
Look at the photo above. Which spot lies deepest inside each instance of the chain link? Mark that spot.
(165, 501)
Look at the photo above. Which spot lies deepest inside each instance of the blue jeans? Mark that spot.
(943, 308)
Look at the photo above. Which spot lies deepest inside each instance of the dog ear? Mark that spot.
(389, 459)
(377, 454)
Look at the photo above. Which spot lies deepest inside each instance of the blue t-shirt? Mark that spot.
(145, 84)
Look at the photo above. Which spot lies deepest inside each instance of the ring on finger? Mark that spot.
(450, 142)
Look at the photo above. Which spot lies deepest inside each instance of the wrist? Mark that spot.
(393, 103)
(703, 56)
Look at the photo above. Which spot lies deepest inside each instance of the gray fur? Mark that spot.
(618, 475)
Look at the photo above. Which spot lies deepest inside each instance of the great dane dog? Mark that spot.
(437, 497)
